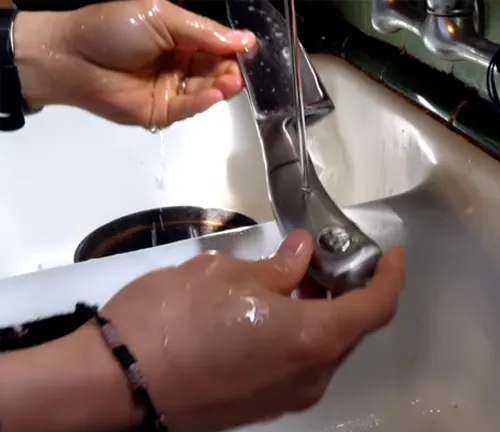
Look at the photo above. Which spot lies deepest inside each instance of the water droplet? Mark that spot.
(251, 8)
(161, 220)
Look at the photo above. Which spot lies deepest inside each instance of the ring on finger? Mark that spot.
(182, 86)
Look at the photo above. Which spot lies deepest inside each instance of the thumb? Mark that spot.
(339, 324)
(193, 31)
(285, 270)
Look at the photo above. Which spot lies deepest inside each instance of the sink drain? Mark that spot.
(157, 227)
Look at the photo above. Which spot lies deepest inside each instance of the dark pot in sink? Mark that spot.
(157, 227)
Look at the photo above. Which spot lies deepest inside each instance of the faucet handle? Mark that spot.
(344, 257)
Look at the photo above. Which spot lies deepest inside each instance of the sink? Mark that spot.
(366, 150)
(68, 172)
(435, 368)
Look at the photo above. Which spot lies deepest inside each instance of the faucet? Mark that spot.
(390, 16)
(450, 29)
(344, 256)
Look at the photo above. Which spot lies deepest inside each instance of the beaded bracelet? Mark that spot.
(153, 421)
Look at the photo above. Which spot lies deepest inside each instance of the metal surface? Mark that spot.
(391, 16)
(295, 206)
(450, 7)
(455, 38)
(449, 28)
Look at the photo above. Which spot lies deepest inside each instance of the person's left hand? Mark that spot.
(145, 62)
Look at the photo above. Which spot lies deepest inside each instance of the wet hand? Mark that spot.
(222, 343)
(146, 62)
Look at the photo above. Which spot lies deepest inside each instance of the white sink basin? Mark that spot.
(68, 172)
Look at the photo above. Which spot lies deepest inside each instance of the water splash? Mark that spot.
(160, 216)
(358, 425)
(154, 237)
(193, 232)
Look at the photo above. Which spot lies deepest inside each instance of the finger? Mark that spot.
(339, 324)
(185, 106)
(203, 65)
(193, 31)
(207, 71)
(284, 271)
(229, 85)
(200, 95)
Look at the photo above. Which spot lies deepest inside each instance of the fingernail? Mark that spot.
(240, 36)
(293, 246)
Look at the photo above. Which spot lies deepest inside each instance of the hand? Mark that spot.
(221, 343)
(146, 62)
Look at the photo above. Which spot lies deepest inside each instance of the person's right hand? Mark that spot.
(221, 343)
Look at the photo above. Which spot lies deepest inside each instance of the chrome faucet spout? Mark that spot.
(344, 257)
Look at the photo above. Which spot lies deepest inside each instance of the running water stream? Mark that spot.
(160, 177)
(160, 182)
